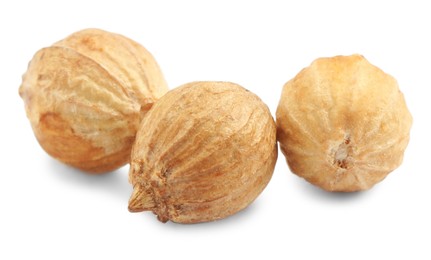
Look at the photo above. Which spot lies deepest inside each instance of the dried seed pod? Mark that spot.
(204, 151)
(85, 95)
(343, 124)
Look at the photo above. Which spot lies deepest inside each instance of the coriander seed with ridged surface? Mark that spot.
(343, 124)
(204, 151)
(85, 96)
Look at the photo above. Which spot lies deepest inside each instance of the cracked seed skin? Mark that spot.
(343, 124)
(204, 151)
(85, 95)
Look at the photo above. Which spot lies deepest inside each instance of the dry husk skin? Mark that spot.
(204, 151)
(343, 124)
(85, 96)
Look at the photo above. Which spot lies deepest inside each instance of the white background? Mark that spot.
(50, 211)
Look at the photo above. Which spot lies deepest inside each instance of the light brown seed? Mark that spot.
(343, 124)
(85, 96)
(205, 151)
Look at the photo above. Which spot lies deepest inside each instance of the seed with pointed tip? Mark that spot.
(343, 124)
(85, 96)
(203, 152)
